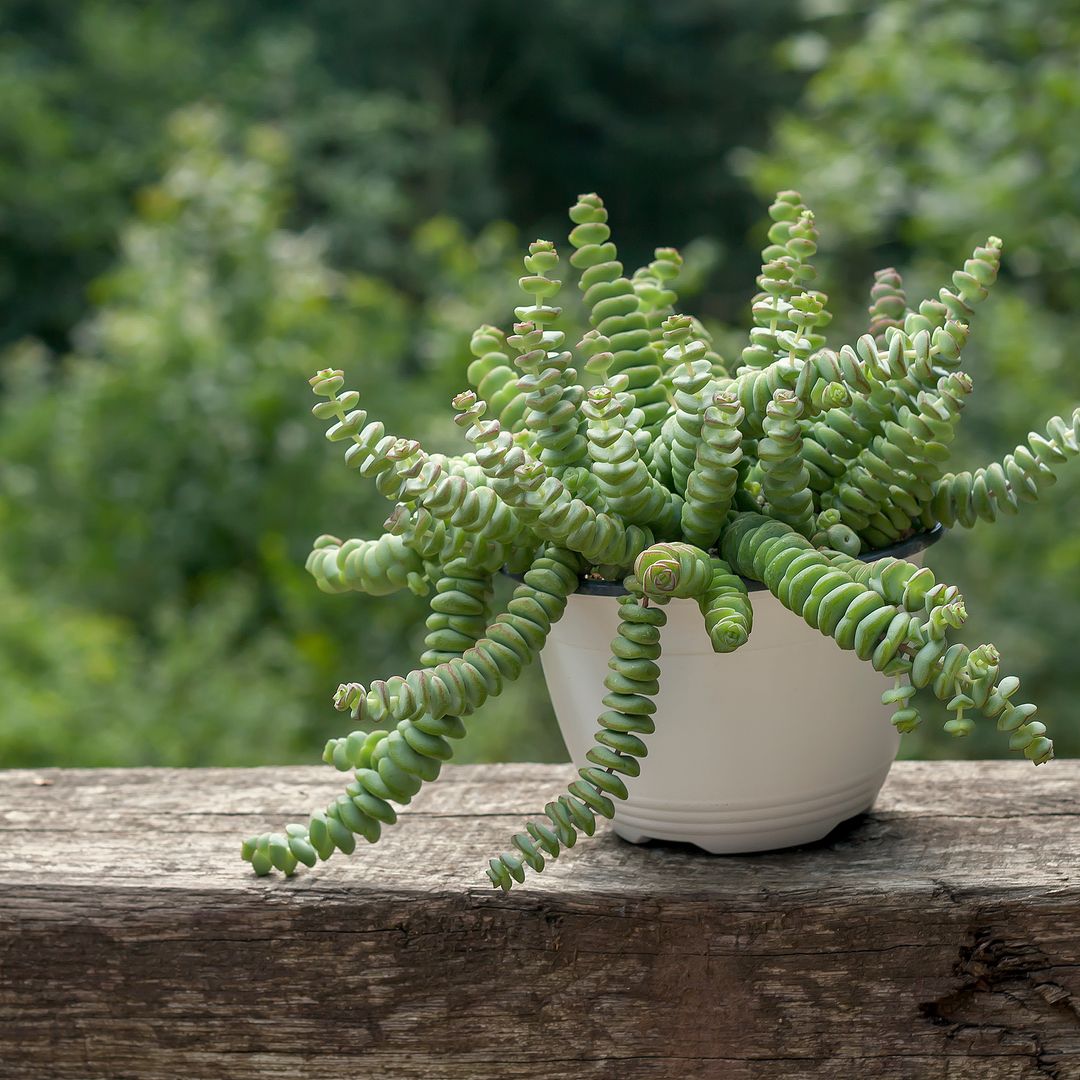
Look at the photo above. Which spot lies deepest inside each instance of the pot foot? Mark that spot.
(630, 836)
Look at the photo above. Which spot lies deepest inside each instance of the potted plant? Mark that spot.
(676, 503)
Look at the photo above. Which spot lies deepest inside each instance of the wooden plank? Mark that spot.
(938, 937)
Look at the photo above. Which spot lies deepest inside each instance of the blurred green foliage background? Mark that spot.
(202, 203)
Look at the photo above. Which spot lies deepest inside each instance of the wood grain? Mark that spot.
(938, 937)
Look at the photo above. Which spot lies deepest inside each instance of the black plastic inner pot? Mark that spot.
(901, 550)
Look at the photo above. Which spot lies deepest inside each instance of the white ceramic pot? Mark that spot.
(767, 747)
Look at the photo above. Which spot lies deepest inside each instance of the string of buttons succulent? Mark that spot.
(642, 456)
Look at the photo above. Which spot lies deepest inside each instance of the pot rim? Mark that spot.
(899, 550)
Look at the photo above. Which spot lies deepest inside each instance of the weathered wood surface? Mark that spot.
(938, 937)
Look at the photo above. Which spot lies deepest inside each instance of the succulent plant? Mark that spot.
(681, 476)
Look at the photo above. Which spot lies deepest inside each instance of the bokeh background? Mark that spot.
(201, 203)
